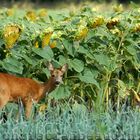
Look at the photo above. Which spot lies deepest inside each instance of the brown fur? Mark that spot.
(12, 88)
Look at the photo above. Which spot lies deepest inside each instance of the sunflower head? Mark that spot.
(46, 38)
(11, 34)
(112, 22)
(42, 13)
(136, 28)
(118, 8)
(10, 12)
(81, 33)
(31, 16)
(97, 21)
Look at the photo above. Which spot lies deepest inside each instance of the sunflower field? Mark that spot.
(102, 51)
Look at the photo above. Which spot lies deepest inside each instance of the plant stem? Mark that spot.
(106, 90)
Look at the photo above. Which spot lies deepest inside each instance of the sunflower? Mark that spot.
(136, 28)
(11, 34)
(46, 39)
(97, 21)
(118, 8)
(42, 13)
(81, 33)
(112, 22)
(31, 15)
(10, 12)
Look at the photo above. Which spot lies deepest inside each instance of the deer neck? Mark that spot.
(48, 86)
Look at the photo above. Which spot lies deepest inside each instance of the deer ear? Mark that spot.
(50, 66)
(64, 68)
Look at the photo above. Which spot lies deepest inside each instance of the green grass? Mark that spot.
(74, 124)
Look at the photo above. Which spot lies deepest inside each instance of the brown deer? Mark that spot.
(12, 88)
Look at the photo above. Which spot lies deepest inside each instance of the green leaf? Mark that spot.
(131, 50)
(45, 52)
(91, 71)
(13, 65)
(1, 41)
(90, 80)
(102, 59)
(62, 60)
(85, 51)
(46, 71)
(68, 46)
(122, 90)
(75, 21)
(90, 35)
(106, 61)
(82, 50)
(112, 65)
(77, 65)
(28, 59)
(60, 92)
(89, 77)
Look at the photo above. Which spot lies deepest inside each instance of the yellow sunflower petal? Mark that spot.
(46, 39)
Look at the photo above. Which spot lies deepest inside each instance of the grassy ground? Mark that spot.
(76, 123)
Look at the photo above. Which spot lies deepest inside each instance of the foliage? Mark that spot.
(101, 50)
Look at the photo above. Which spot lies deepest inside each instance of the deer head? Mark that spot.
(57, 74)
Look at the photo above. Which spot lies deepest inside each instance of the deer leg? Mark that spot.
(4, 98)
(28, 109)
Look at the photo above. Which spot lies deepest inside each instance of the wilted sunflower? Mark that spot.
(31, 15)
(112, 22)
(42, 13)
(10, 12)
(11, 34)
(118, 8)
(81, 33)
(97, 21)
(136, 28)
(46, 39)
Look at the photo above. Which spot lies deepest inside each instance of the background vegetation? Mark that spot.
(65, 2)
(77, 1)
